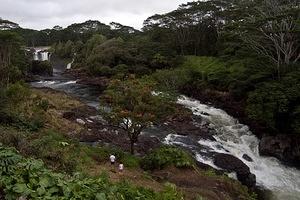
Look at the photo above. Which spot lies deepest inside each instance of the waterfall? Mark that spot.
(35, 56)
(44, 56)
(69, 65)
(41, 54)
(236, 139)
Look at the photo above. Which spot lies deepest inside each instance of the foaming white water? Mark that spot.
(47, 83)
(69, 65)
(41, 54)
(35, 56)
(68, 83)
(236, 139)
(44, 56)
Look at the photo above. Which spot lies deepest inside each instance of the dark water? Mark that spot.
(61, 82)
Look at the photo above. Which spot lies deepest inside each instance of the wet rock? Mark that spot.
(233, 164)
(80, 121)
(82, 112)
(248, 158)
(204, 113)
(83, 78)
(69, 115)
(192, 126)
(286, 148)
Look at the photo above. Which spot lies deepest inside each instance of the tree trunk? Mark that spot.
(132, 147)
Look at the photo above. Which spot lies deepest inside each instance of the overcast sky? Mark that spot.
(41, 14)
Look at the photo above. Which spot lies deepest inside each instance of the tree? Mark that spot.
(135, 106)
(9, 44)
(271, 30)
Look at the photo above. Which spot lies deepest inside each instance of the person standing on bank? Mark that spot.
(112, 159)
(121, 168)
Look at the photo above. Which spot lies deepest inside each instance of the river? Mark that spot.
(231, 137)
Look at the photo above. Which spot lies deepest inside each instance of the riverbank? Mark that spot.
(68, 121)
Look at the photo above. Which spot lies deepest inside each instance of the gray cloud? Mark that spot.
(41, 14)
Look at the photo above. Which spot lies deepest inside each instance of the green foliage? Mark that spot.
(172, 80)
(276, 103)
(200, 71)
(13, 61)
(213, 71)
(135, 106)
(167, 156)
(30, 179)
(43, 104)
(19, 109)
(95, 70)
(49, 147)
(8, 160)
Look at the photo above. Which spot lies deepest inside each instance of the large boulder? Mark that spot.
(232, 164)
(286, 148)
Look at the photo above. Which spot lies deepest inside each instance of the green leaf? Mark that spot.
(100, 196)
(45, 182)
(21, 188)
(41, 191)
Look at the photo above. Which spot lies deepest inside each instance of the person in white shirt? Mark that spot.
(112, 159)
(121, 168)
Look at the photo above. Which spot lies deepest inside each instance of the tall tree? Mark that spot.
(9, 43)
(271, 30)
(135, 106)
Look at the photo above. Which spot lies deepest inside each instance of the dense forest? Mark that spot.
(242, 56)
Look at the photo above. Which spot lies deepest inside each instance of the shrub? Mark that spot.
(43, 104)
(171, 79)
(166, 156)
(100, 70)
(20, 110)
(41, 68)
(11, 138)
(277, 103)
(49, 146)
(121, 69)
(16, 93)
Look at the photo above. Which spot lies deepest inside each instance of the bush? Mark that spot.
(43, 104)
(16, 93)
(121, 69)
(172, 80)
(167, 156)
(43, 68)
(55, 150)
(277, 103)
(20, 110)
(11, 138)
(101, 71)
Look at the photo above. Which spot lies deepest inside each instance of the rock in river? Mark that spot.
(232, 164)
(284, 147)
